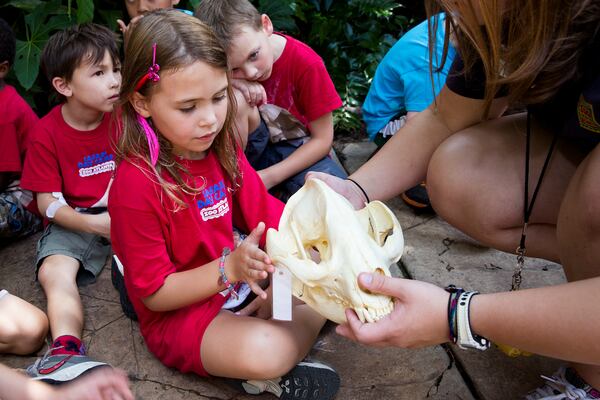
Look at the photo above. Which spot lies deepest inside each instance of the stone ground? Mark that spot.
(434, 252)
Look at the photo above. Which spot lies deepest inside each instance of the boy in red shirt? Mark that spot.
(292, 76)
(16, 218)
(69, 166)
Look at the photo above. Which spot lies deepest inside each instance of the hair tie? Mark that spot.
(152, 139)
(152, 73)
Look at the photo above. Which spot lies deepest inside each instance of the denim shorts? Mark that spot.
(262, 153)
(90, 250)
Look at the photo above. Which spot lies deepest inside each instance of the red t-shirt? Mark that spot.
(153, 238)
(63, 159)
(300, 83)
(16, 118)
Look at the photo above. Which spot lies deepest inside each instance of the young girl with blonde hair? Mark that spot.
(181, 186)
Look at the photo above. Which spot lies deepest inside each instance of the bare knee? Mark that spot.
(277, 344)
(463, 191)
(57, 270)
(447, 176)
(24, 333)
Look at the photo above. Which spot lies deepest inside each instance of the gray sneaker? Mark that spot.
(564, 384)
(62, 367)
(309, 380)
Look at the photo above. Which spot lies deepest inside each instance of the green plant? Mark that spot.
(351, 36)
(34, 21)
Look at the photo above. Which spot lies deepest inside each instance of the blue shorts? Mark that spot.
(261, 154)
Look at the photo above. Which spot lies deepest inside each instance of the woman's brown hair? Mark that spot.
(181, 40)
(531, 47)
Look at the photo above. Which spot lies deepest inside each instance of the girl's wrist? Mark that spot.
(229, 266)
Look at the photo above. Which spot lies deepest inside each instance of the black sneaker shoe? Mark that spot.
(118, 281)
(417, 198)
(309, 380)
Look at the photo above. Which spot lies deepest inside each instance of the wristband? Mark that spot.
(466, 339)
(222, 277)
(53, 208)
(455, 293)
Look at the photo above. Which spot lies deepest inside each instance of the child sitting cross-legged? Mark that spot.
(69, 166)
(192, 184)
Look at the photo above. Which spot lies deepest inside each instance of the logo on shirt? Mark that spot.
(95, 164)
(215, 203)
(585, 114)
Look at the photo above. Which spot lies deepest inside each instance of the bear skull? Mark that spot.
(318, 220)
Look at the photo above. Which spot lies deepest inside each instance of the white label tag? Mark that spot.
(282, 294)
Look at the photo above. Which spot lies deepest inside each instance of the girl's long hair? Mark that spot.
(181, 40)
(531, 47)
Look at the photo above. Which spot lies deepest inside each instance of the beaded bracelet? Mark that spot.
(222, 277)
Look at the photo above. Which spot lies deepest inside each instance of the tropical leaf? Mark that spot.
(27, 62)
(85, 11)
(26, 5)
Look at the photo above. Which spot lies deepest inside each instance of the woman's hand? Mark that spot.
(419, 317)
(344, 187)
(249, 263)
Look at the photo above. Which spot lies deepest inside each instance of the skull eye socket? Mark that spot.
(318, 251)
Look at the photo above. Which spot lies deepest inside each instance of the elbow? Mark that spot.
(153, 304)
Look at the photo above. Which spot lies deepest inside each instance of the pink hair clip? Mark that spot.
(152, 73)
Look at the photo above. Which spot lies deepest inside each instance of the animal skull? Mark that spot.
(348, 242)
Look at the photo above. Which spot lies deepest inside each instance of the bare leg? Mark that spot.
(65, 310)
(247, 118)
(243, 339)
(475, 181)
(578, 234)
(23, 327)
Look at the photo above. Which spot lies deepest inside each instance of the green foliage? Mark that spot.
(351, 36)
(34, 21)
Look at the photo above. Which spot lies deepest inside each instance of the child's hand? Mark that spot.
(259, 307)
(249, 263)
(102, 384)
(124, 28)
(253, 92)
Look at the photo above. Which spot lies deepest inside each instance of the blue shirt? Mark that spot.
(402, 80)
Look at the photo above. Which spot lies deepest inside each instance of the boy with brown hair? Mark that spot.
(69, 166)
(274, 68)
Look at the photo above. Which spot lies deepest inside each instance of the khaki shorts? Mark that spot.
(90, 250)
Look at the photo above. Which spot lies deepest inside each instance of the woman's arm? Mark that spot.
(557, 321)
(403, 161)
